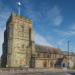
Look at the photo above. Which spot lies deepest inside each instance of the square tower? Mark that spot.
(18, 32)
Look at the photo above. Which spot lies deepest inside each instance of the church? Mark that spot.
(20, 50)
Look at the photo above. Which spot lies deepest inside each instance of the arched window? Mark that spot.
(45, 64)
(51, 64)
(38, 54)
(22, 27)
(23, 46)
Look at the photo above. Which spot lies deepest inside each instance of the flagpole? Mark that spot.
(19, 4)
(19, 11)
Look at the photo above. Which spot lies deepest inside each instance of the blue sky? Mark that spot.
(53, 20)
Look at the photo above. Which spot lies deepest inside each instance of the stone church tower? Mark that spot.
(17, 42)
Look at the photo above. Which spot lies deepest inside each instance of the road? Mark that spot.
(63, 73)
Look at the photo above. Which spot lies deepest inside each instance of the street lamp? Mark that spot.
(68, 52)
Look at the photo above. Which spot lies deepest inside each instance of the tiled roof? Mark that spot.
(47, 49)
(66, 53)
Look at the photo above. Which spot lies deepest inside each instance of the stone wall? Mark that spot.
(18, 41)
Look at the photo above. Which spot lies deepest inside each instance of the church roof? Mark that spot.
(47, 49)
(66, 53)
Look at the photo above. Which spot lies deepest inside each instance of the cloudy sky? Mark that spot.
(53, 20)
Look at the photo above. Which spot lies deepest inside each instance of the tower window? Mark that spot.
(45, 64)
(22, 27)
(22, 46)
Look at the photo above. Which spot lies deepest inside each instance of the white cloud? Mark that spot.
(3, 18)
(58, 20)
(55, 16)
(67, 33)
(4, 14)
(39, 39)
(72, 27)
(51, 15)
(61, 42)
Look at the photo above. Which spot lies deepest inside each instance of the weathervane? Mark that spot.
(19, 4)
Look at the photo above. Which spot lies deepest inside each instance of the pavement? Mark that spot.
(37, 72)
(42, 73)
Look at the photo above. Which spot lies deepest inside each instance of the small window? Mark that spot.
(50, 55)
(45, 64)
(22, 46)
(51, 64)
(22, 27)
(38, 54)
(47, 55)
